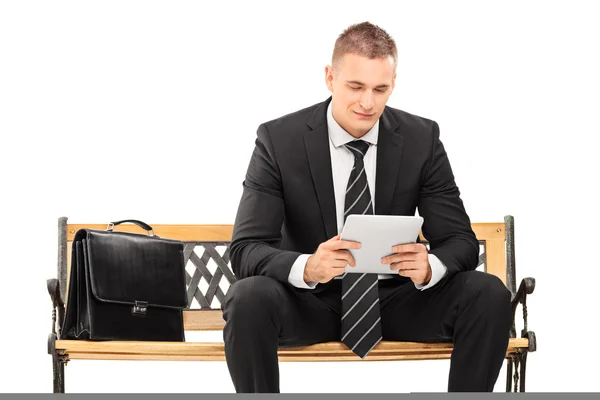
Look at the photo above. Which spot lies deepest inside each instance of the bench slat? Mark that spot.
(214, 351)
(223, 232)
(282, 358)
(203, 320)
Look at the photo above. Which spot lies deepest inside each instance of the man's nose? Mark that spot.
(366, 100)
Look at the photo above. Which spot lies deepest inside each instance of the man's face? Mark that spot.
(360, 89)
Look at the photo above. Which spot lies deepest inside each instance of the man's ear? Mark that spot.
(329, 77)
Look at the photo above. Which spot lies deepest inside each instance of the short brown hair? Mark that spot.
(366, 40)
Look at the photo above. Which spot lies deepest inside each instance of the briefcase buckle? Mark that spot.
(140, 307)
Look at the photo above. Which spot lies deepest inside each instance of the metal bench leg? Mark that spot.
(516, 364)
(59, 360)
(58, 372)
(523, 370)
(515, 372)
(509, 374)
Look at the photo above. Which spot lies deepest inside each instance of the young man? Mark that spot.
(354, 155)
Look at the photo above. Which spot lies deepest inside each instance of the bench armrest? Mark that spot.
(57, 305)
(526, 287)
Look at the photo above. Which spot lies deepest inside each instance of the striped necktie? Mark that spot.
(361, 321)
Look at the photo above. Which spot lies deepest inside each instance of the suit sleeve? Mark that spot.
(446, 224)
(256, 237)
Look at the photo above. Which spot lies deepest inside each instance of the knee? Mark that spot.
(251, 297)
(491, 292)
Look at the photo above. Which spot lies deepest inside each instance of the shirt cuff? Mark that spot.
(438, 271)
(296, 276)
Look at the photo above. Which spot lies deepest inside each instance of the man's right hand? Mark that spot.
(330, 260)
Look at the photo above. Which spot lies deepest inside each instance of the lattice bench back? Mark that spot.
(209, 274)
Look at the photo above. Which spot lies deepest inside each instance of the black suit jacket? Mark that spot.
(288, 205)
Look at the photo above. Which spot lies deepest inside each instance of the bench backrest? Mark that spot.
(209, 274)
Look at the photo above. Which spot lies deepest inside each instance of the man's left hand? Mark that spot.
(410, 260)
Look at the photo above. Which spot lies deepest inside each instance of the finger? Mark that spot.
(408, 248)
(352, 261)
(345, 256)
(339, 263)
(336, 237)
(398, 257)
(410, 273)
(405, 266)
(344, 244)
(342, 254)
(333, 272)
(405, 248)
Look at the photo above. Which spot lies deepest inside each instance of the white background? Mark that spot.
(149, 110)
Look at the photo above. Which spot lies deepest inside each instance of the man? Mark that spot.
(354, 155)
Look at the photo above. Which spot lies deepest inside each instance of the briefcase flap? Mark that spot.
(136, 269)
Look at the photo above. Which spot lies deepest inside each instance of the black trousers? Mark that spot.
(471, 309)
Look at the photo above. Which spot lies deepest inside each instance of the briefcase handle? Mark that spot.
(141, 224)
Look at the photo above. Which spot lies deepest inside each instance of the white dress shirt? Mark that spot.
(342, 161)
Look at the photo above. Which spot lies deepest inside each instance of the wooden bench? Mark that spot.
(208, 245)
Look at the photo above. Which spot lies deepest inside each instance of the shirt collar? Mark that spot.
(340, 137)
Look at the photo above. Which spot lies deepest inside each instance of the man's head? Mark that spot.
(361, 76)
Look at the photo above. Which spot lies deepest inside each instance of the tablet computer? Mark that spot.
(378, 234)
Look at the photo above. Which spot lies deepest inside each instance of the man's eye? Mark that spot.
(354, 88)
(380, 90)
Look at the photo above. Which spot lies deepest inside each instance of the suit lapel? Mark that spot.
(316, 143)
(389, 155)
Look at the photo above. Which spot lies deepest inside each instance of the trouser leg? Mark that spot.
(262, 315)
(472, 309)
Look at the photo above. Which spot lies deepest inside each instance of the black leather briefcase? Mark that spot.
(125, 286)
